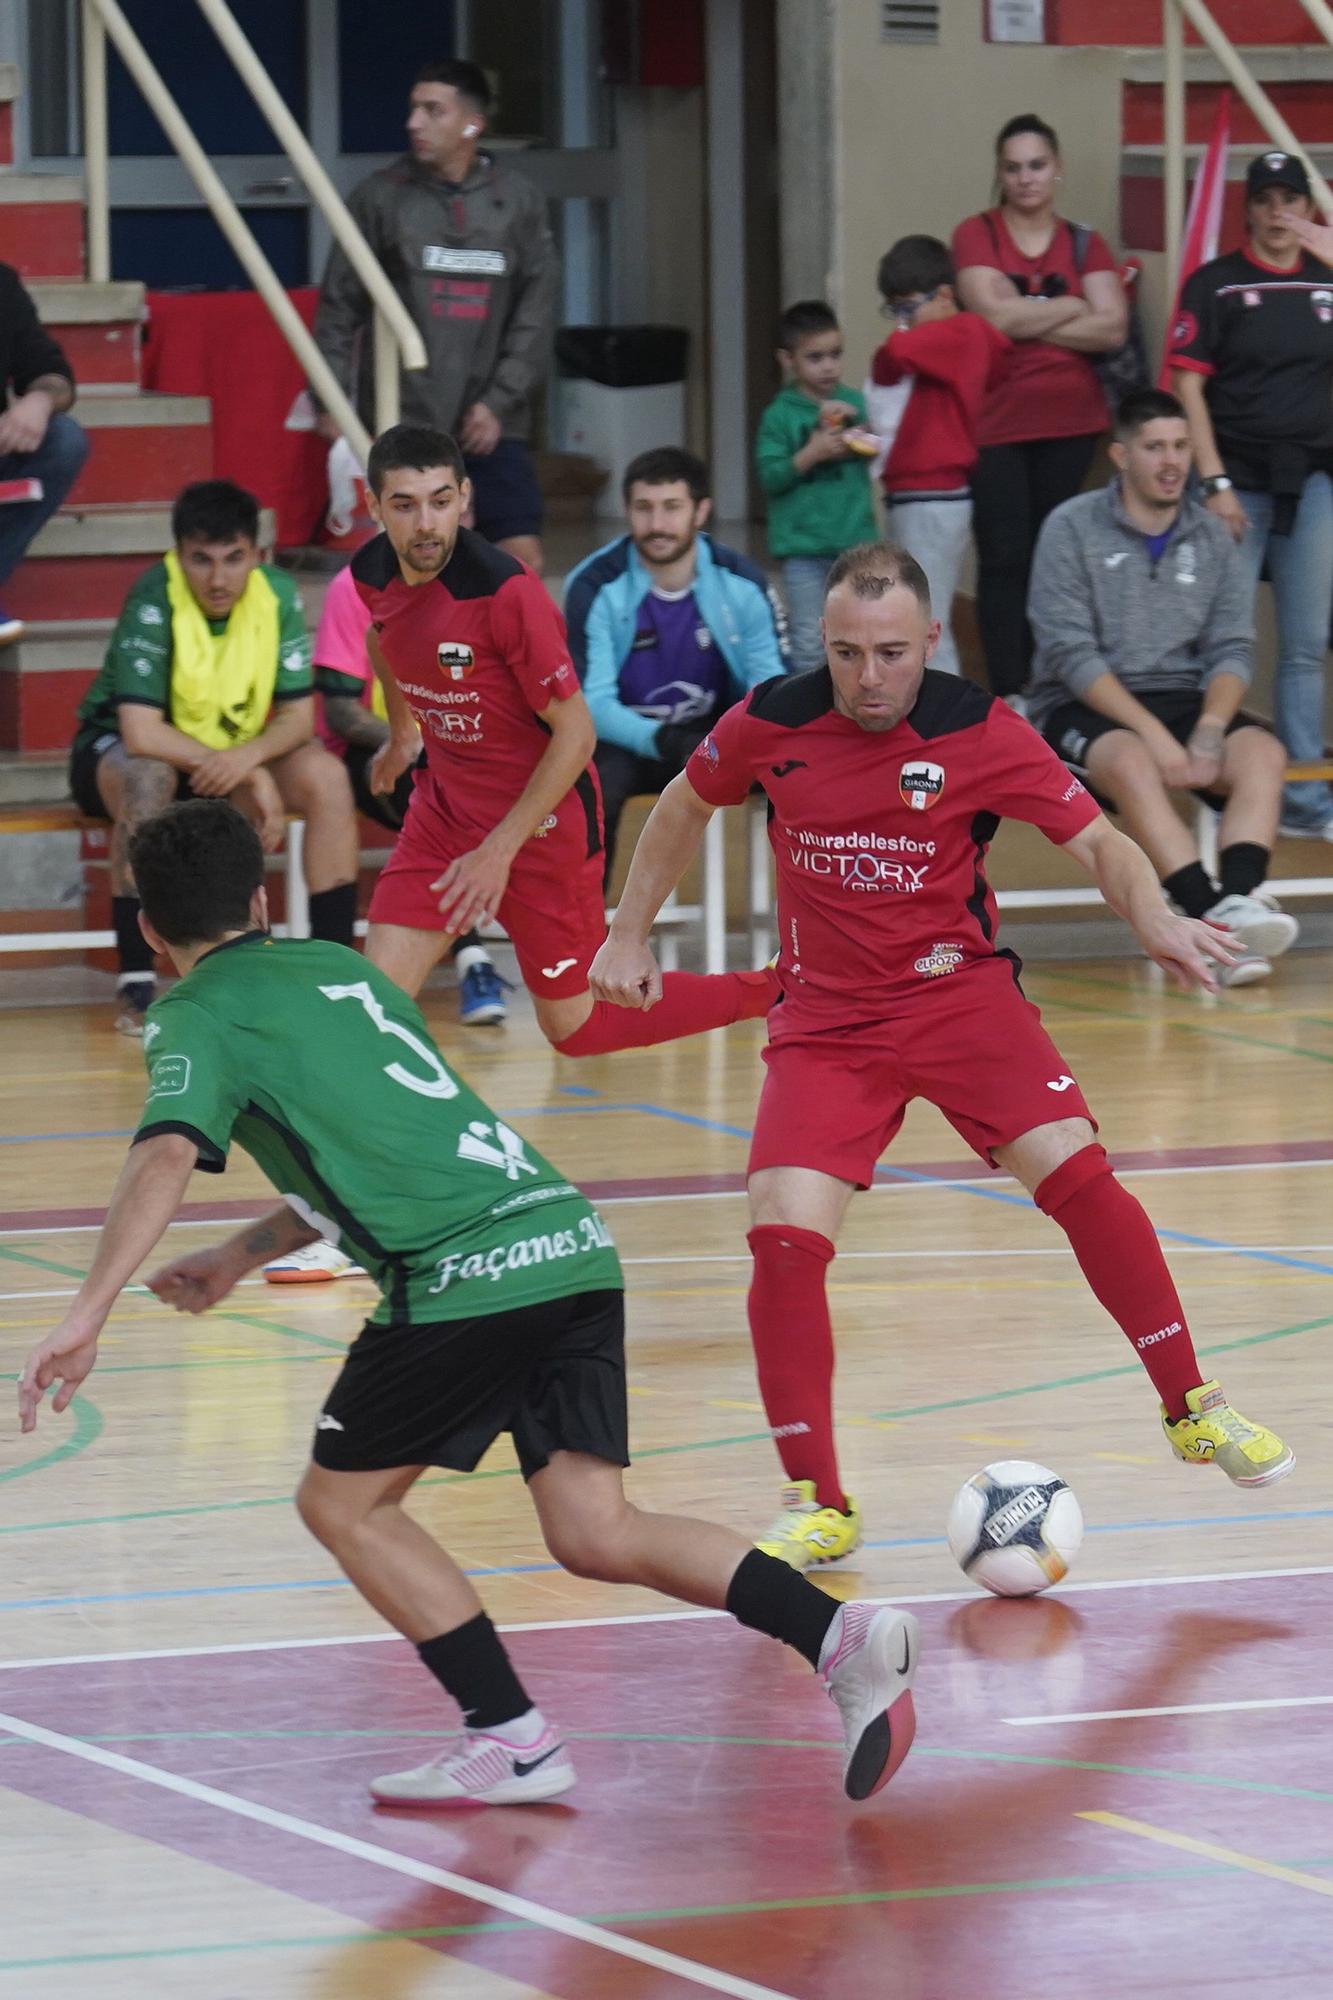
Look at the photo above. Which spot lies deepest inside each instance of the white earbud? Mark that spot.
(468, 131)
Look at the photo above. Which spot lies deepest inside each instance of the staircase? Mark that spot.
(74, 578)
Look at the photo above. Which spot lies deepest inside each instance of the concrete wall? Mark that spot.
(914, 130)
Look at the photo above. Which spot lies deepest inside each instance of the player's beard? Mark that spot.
(655, 554)
(427, 565)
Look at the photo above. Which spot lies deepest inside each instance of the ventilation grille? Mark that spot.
(909, 20)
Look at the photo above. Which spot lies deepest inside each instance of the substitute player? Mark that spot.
(506, 819)
(887, 783)
(502, 1310)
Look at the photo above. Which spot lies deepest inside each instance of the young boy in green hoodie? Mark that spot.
(813, 458)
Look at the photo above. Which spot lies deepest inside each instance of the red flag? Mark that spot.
(1202, 223)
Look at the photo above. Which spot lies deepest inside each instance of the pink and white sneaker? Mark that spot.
(489, 1770)
(868, 1664)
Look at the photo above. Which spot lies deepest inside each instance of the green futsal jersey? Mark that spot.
(325, 1073)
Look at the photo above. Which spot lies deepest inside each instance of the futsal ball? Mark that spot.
(1015, 1528)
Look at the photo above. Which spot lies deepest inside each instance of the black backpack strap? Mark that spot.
(1082, 235)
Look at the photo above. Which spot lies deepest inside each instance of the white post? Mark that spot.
(715, 894)
(298, 893)
(98, 203)
(761, 882)
(725, 99)
(1173, 133)
(388, 387)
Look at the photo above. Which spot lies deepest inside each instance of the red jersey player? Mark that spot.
(505, 820)
(887, 783)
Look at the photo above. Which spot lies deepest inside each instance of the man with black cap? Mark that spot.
(1252, 360)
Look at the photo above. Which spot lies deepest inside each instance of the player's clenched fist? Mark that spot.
(625, 973)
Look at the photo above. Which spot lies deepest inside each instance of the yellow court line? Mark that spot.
(1210, 1852)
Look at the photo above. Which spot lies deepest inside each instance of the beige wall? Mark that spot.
(913, 139)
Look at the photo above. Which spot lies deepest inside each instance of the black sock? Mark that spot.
(471, 1664)
(769, 1596)
(469, 941)
(136, 954)
(1243, 866)
(1191, 890)
(333, 913)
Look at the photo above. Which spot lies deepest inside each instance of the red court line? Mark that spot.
(1287, 1152)
(709, 1770)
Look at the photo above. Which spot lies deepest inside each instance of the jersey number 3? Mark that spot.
(439, 1083)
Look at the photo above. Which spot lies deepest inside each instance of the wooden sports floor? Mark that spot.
(1116, 1788)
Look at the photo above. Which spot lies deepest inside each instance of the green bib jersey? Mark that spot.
(324, 1071)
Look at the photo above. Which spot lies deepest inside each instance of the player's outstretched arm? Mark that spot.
(624, 970)
(1186, 948)
(198, 1280)
(146, 1197)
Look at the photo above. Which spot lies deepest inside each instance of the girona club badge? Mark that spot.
(456, 661)
(920, 785)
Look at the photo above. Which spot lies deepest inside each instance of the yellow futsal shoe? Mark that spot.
(1247, 1453)
(806, 1533)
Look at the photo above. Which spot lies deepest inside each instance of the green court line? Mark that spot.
(1112, 1878)
(87, 1429)
(1173, 1021)
(1098, 1375)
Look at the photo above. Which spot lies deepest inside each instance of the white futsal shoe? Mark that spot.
(488, 1771)
(1257, 923)
(868, 1663)
(313, 1264)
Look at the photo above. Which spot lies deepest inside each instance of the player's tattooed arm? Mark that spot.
(198, 1280)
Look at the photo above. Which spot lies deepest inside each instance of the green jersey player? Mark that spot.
(501, 1310)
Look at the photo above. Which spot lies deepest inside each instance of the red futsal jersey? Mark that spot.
(478, 652)
(881, 838)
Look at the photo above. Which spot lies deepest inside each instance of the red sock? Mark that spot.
(690, 1002)
(793, 1351)
(1122, 1260)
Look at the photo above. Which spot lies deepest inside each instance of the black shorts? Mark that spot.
(1073, 728)
(506, 498)
(552, 1374)
(84, 759)
(385, 808)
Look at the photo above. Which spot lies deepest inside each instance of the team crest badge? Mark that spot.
(1323, 306)
(920, 785)
(456, 661)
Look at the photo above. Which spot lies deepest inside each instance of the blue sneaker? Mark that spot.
(481, 997)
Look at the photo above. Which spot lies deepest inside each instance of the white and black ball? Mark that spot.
(1015, 1528)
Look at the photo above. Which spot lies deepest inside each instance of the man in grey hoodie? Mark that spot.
(467, 246)
(1144, 626)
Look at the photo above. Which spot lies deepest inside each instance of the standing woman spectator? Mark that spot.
(1056, 294)
(1252, 361)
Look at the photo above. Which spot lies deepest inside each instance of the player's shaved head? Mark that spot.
(873, 568)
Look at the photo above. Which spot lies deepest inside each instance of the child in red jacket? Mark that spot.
(941, 360)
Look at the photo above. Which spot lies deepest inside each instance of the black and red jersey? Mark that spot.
(478, 652)
(881, 837)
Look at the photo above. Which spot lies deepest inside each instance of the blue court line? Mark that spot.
(528, 1569)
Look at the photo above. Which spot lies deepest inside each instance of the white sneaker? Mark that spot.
(1246, 971)
(313, 1264)
(1298, 830)
(487, 1770)
(1257, 922)
(869, 1669)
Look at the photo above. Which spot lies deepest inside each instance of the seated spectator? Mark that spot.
(944, 361)
(1142, 610)
(38, 441)
(811, 454)
(668, 628)
(354, 724)
(206, 689)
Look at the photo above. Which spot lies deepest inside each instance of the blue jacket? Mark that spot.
(602, 599)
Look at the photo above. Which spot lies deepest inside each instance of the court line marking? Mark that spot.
(1209, 1851)
(1180, 1708)
(647, 1618)
(538, 1914)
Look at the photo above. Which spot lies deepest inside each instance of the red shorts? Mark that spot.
(972, 1045)
(552, 909)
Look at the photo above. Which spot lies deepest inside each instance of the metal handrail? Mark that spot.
(1247, 89)
(396, 337)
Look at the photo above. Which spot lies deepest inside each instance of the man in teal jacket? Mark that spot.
(668, 629)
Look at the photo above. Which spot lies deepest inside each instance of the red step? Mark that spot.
(41, 225)
(45, 677)
(1138, 23)
(144, 449)
(1307, 107)
(100, 327)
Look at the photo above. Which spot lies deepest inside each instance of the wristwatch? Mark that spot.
(1219, 483)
